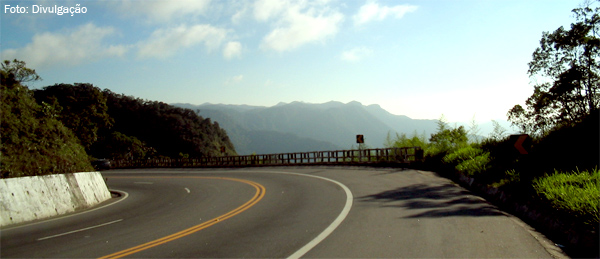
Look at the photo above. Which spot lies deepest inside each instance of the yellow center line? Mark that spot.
(260, 193)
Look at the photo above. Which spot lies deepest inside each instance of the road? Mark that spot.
(312, 212)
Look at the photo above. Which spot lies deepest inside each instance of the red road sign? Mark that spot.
(519, 143)
(360, 139)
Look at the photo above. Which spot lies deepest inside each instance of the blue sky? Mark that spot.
(422, 59)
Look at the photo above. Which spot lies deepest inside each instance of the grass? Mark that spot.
(576, 193)
(510, 177)
(469, 160)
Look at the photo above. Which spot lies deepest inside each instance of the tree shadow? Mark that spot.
(434, 201)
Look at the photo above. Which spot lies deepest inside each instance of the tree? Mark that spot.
(31, 142)
(82, 108)
(498, 133)
(566, 68)
(16, 72)
(474, 130)
(447, 139)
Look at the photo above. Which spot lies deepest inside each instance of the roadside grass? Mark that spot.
(468, 160)
(511, 177)
(576, 193)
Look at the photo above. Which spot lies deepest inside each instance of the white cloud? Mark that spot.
(165, 42)
(372, 11)
(267, 9)
(296, 23)
(232, 49)
(81, 45)
(235, 79)
(161, 10)
(239, 15)
(356, 54)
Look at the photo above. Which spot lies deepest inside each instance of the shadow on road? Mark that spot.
(434, 201)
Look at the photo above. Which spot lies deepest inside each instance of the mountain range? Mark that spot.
(300, 126)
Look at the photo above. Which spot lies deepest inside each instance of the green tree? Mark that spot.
(498, 133)
(16, 71)
(566, 68)
(402, 140)
(33, 143)
(116, 145)
(447, 139)
(81, 107)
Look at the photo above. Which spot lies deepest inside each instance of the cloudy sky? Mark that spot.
(460, 58)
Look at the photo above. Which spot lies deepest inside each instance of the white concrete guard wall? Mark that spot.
(25, 199)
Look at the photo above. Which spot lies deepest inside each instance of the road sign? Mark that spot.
(522, 143)
(360, 139)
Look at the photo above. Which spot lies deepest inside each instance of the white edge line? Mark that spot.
(79, 230)
(125, 195)
(349, 198)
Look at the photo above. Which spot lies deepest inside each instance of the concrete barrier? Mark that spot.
(25, 199)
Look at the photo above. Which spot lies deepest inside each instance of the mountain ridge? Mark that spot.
(300, 126)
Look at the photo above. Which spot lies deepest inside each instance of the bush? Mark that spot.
(402, 140)
(34, 143)
(576, 193)
(468, 160)
(447, 140)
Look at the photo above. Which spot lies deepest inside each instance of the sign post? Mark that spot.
(360, 139)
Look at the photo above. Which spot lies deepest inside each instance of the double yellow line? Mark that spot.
(260, 193)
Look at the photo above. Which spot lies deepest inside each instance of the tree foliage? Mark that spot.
(16, 72)
(117, 126)
(81, 107)
(402, 140)
(447, 139)
(566, 70)
(32, 142)
(58, 128)
(170, 131)
(116, 145)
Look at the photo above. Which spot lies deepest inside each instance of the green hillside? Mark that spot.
(117, 126)
(34, 141)
(63, 127)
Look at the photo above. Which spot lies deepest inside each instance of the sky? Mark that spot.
(464, 59)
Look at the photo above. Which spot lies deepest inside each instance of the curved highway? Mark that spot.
(280, 212)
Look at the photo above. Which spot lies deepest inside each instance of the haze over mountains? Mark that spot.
(298, 126)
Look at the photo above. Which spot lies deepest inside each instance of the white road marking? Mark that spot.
(187, 190)
(79, 230)
(125, 196)
(347, 206)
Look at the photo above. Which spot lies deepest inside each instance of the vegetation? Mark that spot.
(116, 126)
(61, 128)
(575, 193)
(566, 68)
(560, 172)
(80, 107)
(167, 130)
(469, 160)
(34, 141)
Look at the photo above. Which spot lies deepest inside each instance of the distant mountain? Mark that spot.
(298, 126)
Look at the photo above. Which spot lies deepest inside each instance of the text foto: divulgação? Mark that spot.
(40, 9)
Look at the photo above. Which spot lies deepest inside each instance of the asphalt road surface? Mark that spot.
(312, 212)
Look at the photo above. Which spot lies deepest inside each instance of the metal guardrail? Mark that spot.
(404, 155)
